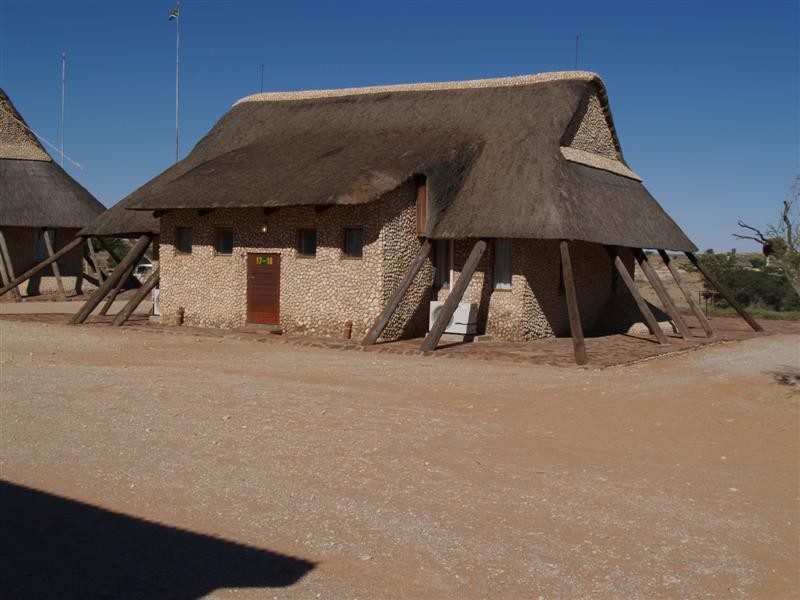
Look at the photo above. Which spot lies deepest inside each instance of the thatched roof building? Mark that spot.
(499, 206)
(34, 190)
(520, 157)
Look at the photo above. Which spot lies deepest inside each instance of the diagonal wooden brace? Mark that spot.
(454, 297)
(397, 296)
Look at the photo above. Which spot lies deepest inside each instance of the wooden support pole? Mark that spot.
(686, 294)
(724, 292)
(454, 297)
(575, 327)
(5, 256)
(4, 275)
(94, 260)
(112, 296)
(661, 292)
(397, 295)
(42, 265)
(140, 295)
(649, 319)
(48, 243)
(131, 258)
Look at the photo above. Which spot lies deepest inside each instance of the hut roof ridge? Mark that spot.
(468, 84)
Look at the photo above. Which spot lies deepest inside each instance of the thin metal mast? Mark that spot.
(262, 77)
(177, 79)
(577, 40)
(63, 87)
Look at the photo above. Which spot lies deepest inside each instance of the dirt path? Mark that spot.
(399, 476)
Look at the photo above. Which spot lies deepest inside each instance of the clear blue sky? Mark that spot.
(704, 94)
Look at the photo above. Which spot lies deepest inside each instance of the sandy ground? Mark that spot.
(59, 307)
(146, 465)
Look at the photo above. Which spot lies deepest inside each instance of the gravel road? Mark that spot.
(138, 464)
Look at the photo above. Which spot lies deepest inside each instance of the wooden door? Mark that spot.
(264, 288)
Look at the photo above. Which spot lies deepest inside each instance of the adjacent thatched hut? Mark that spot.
(37, 198)
(312, 210)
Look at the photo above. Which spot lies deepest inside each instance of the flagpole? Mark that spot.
(63, 85)
(177, 78)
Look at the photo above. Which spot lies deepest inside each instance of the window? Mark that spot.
(443, 261)
(224, 241)
(502, 264)
(354, 243)
(307, 242)
(183, 239)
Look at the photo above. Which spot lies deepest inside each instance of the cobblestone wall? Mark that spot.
(535, 306)
(319, 294)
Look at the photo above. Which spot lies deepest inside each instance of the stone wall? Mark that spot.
(317, 294)
(535, 306)
(401, 246)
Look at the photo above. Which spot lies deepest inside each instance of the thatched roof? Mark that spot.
(118, 221)
(34, 190)
(528, 157)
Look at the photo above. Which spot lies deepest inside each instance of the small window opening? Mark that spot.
(502, 264)
(183, 239)
(307, 243)
(354, 243)
(224, 241)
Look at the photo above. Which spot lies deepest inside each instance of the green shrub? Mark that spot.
(766, 288)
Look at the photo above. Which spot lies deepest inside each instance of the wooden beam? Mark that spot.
(686, 294)
(93, 258)
(421, 185)
(131, 258)
(268, 210)
(454, 297)
(661, 292)
(6, 257)
(202, 212)
(724, 292)
(4, 276)
(321, 208)
(140, 295)
(56, 271)
(649, 319)
(42, 265)
(112, 296)
(397, 295)
(575, 327)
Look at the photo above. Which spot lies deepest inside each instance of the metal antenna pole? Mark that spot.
(177, 79)
(262, 77)
(577, 40)
(63, 86)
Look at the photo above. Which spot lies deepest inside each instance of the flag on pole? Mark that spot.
(174, 14)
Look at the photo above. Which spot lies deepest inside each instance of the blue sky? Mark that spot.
(704, 94)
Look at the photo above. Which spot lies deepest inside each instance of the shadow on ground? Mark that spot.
(57, 548)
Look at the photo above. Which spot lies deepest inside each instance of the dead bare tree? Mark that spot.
(782, 242)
